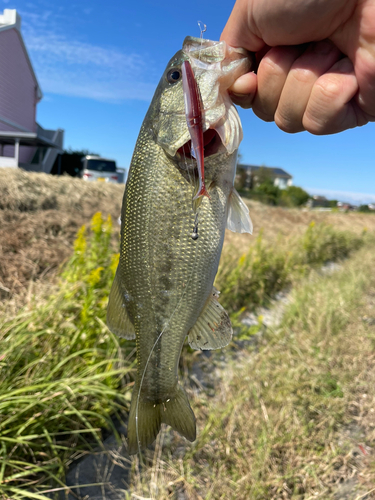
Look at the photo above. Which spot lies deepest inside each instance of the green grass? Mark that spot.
(257, 275)
(63, 374)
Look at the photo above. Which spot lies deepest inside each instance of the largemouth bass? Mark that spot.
(173, 223)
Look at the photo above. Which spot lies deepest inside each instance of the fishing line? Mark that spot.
(188, 167)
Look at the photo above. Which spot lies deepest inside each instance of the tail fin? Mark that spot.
(175, 412)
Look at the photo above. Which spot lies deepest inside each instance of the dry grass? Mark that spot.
(289, 223)
(40, 215)
(31, 192)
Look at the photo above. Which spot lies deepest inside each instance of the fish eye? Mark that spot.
(174, 75)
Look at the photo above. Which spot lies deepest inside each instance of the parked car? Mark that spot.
(99, 169)
(122, 175)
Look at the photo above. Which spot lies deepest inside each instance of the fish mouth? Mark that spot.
(211, 145)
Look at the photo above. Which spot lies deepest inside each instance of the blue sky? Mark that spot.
(98, 64)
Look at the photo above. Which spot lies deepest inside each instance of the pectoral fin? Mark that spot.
(118, 320)
(238, 219)
(213, 328)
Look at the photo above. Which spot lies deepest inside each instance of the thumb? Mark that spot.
(243, 91)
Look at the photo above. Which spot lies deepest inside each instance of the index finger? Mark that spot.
(238, 32)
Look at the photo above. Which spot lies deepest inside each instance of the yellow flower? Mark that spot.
(114, 262)
(107, 228)
(97, 223)
(241, 260)
(94, 276)
(80, 241)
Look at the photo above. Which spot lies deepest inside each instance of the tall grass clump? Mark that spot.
(62, 372)
(322, 243)
(264, 270)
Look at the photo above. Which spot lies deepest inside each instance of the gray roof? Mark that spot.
(275, 170)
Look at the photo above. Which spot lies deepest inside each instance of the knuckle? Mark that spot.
(287, 123)
(328, 88)
(323, 105)
(262, 114)
(313, 124)
(318, 121)
(270, 66)
(301, 76)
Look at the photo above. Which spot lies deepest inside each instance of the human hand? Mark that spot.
(316, 62)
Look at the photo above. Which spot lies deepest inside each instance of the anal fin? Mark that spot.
(118, 320)
(213, 328)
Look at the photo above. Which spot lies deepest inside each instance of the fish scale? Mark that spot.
(163, 289)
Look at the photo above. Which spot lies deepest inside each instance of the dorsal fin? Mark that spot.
(213, 328)
(118, 320)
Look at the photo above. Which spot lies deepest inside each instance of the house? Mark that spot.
(248, 176)
(344, 206)
(319, 202)
(23, 142)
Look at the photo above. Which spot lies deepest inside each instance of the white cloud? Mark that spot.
(349, 196)
(57, 48)
(73, 67)
(82, 86)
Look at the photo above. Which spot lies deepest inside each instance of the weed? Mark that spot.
(62, 373)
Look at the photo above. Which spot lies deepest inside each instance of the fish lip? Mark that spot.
(212, 145)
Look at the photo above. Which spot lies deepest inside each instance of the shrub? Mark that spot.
(293, 196)
(264, 270)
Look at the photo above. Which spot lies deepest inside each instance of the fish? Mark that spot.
(175, 210)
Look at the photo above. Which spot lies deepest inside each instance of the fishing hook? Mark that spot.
(194, 234)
